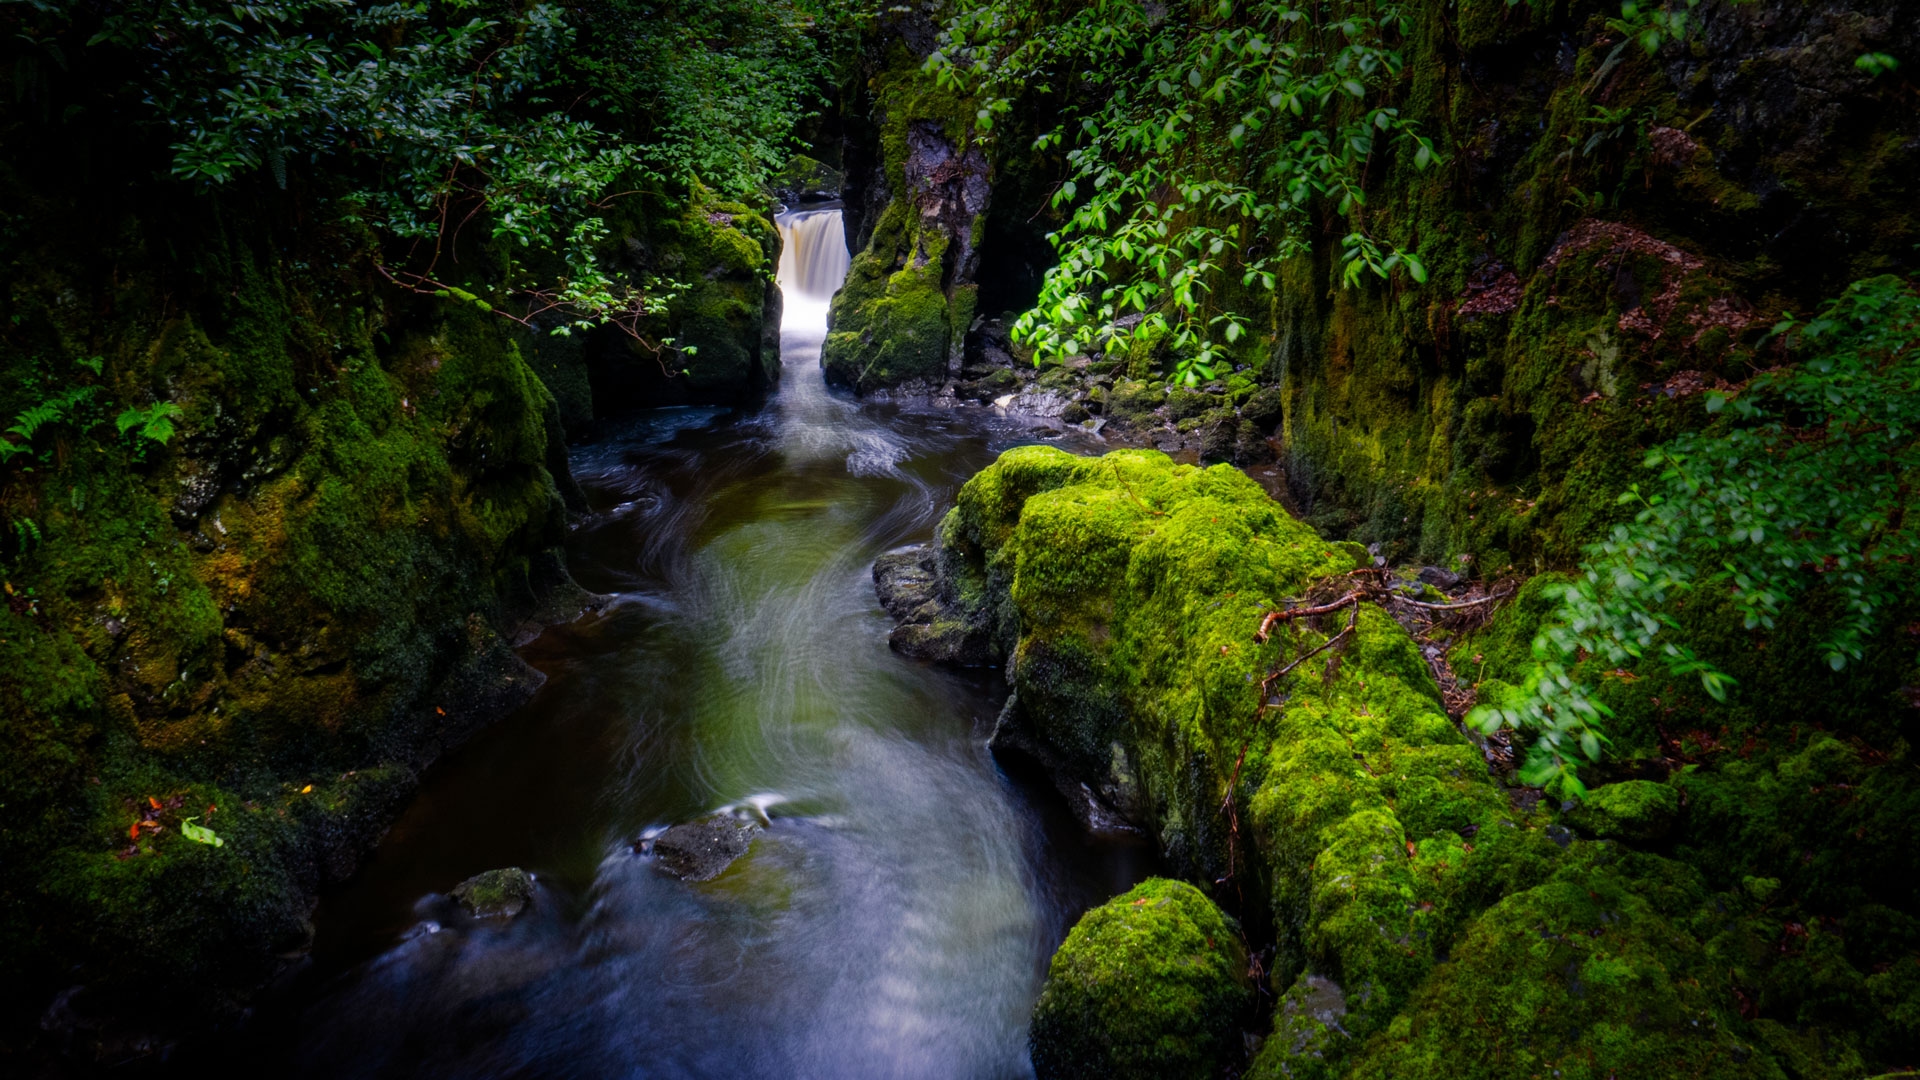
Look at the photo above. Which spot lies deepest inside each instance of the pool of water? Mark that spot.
(895, 919)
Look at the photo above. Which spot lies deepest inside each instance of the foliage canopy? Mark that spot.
(1205, 141)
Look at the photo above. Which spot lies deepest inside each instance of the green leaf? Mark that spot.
(200, 834)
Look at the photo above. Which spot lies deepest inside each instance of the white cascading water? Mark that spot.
(813, 264)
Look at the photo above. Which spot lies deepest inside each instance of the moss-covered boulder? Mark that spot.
(1612, 967)
(1637, 811)
(496, 894)
(806, 180)
(1152, 984)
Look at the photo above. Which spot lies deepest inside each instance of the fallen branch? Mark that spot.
(1454, 606)
(1352, 619)
(1266, 624)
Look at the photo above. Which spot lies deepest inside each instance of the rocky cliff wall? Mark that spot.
(1610, 233)
(918, 194)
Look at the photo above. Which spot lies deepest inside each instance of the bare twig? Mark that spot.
(1455, 606)
(1352, 619)
(1266, 624)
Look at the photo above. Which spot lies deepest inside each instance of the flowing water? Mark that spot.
(896, 917)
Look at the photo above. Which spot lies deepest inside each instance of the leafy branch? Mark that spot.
(1802, 487)
(1221, 131)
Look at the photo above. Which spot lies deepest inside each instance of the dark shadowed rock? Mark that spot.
(496, 893)
(904, 580)
(702, 850)
(907, 585)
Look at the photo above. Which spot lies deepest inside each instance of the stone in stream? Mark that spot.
(929, 628)
(701, 850)
(504, 893)
(904, 580)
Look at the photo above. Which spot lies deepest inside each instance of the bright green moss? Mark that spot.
(889, 327)
(1637, 811)
(1151, 984)
(1592, 974)
(1395, 873)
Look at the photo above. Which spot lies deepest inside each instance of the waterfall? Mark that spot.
(813, 263)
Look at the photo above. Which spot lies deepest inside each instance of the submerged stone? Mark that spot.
(1150, 984)
(702, 850)
(496, 893)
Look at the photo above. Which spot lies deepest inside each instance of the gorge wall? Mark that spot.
(270, 531)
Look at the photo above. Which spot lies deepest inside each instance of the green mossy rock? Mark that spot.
(1152, 984)
(803, 179)
(1637, 811)
(910, 291)
(1604, 970)
(496, 893)
(1404, 887)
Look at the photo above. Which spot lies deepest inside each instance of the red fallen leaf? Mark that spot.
(153, 802)
(440, 710)
(210, 809)
(134, 833)
(1410, 849)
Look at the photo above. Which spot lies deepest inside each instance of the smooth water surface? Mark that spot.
(896, 918)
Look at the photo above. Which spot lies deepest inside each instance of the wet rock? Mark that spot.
(1250, 446)
(702, 850)
(1218, 431)
(496, 893)
(1264, 409)
(1444, 580)
(906, 584)
(904, 580)
(935, 633)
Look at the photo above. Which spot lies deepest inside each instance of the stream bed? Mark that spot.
(896, 916)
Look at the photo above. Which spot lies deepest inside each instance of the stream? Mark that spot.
(895, 919)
